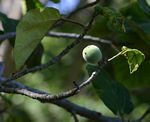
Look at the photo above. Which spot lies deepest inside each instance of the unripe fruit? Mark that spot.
(92, 54)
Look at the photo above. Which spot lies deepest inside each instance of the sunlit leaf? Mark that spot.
(30, 31)
(114, 95)
(134, 57)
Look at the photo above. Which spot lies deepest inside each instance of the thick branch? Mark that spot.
(24, 90)
(18, 88)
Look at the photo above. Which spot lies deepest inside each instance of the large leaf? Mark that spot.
(138, 80)
(114, 95)
(30, 31)
(134, 57)
(35, 57)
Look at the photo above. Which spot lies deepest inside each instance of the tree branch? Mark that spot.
(74, 116)
(84, 7)
(86, 37)
(67, 35)
(60, 22)
(18, 88)
(73, 22)
(7, 36)
(24, 90)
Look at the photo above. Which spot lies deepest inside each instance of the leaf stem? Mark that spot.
(120, 53)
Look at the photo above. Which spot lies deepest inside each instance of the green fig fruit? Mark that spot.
(92, 54)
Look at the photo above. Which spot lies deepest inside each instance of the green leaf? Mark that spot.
(144, 6)
(138, 80)
(35, 57)
(134, 57)
(114, 95)
(30, 31)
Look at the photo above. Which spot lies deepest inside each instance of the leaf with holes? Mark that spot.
(30, 31)
(134, 57)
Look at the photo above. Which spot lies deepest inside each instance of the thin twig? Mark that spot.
(75, 36)
(73, 22)
(120, 53)
(74, 116)
(58, 23)
(84, 7)
(70, 36)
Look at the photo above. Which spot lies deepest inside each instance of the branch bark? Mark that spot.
(18, 88)
(25, 90)
(69, 36)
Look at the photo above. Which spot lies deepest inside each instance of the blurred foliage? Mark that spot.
(33, 4)
(56, 1)
(60, 76)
